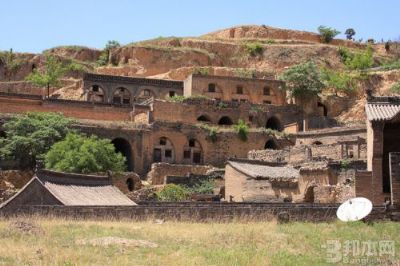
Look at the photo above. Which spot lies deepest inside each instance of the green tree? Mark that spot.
(303, 80)
(105, 56)
(50, 75)
(395, 88)
(31, 135)
(327, 33)
(350, 32)
(338, 80)
(80, 154)
(10, 62)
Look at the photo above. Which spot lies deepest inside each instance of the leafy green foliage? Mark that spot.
(181, 98)
(172, 192)
(344, 164)
(327, 33)
(254, 48)
(360, 60)
(11, 63)
(53, 71)
(395, 88)
(212, 132)
(340, 81)
(242, 129)
(77, 67)
(31, 135)
(350, 32)
(391, 65)
(104, 58)
(344, 54)
(80, 154)
(205, 186)
(303, 80)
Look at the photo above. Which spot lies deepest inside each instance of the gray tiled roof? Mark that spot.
(265, 171)
(381, 111)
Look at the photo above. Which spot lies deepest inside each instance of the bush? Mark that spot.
(212, 132)
(327, 33)
(344, 54)
(361, 60)
(391, 65)
(303, 80)
(242, 129)
(31, 135)
(80, 154)
(395, 88)
(172, 192)
(205, 186)
(254, 48)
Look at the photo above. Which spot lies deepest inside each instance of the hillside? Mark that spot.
(225, 52)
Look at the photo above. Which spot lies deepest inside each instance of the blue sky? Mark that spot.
(35, 25)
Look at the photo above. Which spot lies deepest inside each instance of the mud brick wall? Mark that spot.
(364, 184)
(395, 177)
(159, 171)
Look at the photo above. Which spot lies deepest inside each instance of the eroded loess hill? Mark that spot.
(225, 52)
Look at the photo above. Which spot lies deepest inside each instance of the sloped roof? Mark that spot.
(382, 108)
(381, 111)
(78, 190)
(259, 170)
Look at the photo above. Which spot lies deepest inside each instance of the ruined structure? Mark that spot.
(127, 90)
(236, 89)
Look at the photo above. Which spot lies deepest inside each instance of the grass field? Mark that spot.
(68, 242)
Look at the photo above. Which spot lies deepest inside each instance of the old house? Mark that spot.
(55, 188)
(383, 142)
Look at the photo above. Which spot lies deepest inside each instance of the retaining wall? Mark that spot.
(191, 211)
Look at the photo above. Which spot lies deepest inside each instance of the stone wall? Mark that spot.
(159, 171)
(199, 212)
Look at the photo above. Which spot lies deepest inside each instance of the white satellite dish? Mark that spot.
(354, 209)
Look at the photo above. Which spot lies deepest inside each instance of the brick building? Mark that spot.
(383, 142)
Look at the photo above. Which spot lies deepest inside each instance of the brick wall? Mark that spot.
(81, 110)
(363, 185)
(394, 160)
(226, 89)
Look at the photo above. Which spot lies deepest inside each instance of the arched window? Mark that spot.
(225, 120)
(122, 145)
(163, 151)
(203, 118)
(192, 152)
(239, 89)
(95, 94)
(271, 145)
(273, 123)
(122, 96)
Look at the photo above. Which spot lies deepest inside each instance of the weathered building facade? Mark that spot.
(222, 88)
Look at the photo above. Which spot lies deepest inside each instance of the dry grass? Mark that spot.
(59, 242)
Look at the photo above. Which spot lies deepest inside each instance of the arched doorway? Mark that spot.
(203, 118)
(95, 94)
(324, 109)
(271, 145)
(130, 184)
(273, 123)
(225, 121)
(122, 145)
